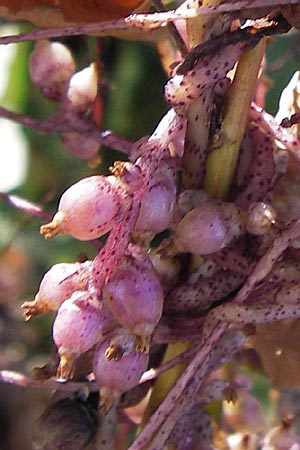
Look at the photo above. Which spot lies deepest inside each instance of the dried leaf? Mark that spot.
(65, 12)
(278, 346)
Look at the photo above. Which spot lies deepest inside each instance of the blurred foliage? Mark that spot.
(132, 82)
(132, 87)
(282, 60)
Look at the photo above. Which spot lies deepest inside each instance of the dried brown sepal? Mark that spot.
(31, 309)
(114, 352)
(142, 344)
(50, 230)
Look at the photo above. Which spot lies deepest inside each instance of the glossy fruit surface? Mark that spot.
(57, 285)
(135, 297)
(51, 66)
(87, 210)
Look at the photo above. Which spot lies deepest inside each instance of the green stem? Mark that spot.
(221, 162)
(199, 30)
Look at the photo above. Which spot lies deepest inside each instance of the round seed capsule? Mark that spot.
(88, 209)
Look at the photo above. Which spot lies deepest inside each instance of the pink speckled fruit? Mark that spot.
(135, 296)
(117, 366)
(88, 209)
(80, 323)
(158, 203)
(51, 66)
(56, 286)
(207, 228)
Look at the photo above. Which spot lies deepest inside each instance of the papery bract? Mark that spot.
(260, 218)
(260, 176)
(200, 295)
(185, 88)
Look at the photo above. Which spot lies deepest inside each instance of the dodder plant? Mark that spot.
(217, 176)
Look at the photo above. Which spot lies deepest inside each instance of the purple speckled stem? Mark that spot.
(153, 151)
(146, 22)
(25, 206)
(21, 380)
(179, 359)
(230, 259)
(72, 30)
(265, 264)
(165, 417)
(269, 124)
(163, 420)
(201, 294)
(116, 244)
(220, 355)
(62, 122)
(261, 173)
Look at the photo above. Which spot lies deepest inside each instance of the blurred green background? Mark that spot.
(132, 83)
(133, 80)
